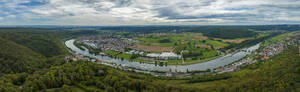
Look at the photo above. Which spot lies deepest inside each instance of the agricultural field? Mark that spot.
(193, 47)
(152, 48)
(216, 44)
(153, 42)
(164, 39)
(159, 40)
(240, 40)
(118, 54)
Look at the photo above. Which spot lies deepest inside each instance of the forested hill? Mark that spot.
(46, 44)
(227, 33)
(278, 74)
(17, 58)
(28, 51)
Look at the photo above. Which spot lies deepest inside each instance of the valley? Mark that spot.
(69, 60)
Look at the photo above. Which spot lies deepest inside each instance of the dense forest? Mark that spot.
(47, 45)
(17, 58)
(25, 66)
(214, 32)
(230, 33)
(27, 51)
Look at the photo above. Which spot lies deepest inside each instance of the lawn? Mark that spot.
(125, 56)
(216, 44)
(118, 54)
(205, 43)
(155, 49)
(155, 41)
(112, 53)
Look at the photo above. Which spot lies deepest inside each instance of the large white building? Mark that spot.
(164, 55)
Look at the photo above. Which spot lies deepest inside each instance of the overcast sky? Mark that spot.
(149, 12)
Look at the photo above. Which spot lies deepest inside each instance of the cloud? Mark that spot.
(149, 12)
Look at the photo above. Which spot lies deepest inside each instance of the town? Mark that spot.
(106, 43)
(124, 45)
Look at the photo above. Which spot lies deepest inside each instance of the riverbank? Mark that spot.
(212, 64)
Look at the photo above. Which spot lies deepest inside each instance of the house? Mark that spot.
(68, 58)
(219, 69)
(78, 57)
(99, 61)
(264, 57)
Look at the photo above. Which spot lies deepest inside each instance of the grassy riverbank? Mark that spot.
(174, 62)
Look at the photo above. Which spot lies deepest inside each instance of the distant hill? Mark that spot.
(228, 33)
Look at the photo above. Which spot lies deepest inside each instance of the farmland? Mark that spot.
(192, 47)
(197, 47)
(173, 40)
(153, 48)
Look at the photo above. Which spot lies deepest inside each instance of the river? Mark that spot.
(212, 64)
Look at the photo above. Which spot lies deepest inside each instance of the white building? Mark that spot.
(153, 55)
(164, 55)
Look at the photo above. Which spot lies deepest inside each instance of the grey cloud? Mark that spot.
(162, 11)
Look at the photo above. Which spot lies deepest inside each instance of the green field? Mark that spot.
(216, 44)
(118, 54)
(277, 38)
(174, 38)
